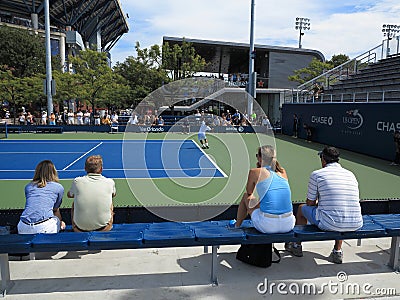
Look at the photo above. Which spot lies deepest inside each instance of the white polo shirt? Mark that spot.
(338, 198)
(92, 200)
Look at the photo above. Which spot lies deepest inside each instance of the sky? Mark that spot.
(337, 26)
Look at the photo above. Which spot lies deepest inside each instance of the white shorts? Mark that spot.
(279, 224)
(201, 136)
(52, 225)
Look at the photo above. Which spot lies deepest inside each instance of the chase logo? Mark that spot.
(353, 119)
(240, 129)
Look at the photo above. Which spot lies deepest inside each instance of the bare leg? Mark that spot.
(242, 210)
(300, 219)
(338, 245)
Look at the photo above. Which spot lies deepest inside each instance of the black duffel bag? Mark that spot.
(259, 255)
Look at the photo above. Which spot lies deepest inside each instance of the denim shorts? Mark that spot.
(309, 212)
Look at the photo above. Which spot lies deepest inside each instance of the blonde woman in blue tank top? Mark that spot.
(272, 212)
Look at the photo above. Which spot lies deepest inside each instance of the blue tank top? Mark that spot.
(275, 195)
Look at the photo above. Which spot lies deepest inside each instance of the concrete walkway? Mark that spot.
(184, 273)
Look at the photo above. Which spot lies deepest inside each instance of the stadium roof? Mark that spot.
(84, 16)
(234, 57)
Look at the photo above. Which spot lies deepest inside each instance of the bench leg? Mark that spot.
(205, 249)
(214, 279)
(394, 253)
(359, 242)
(6, 282)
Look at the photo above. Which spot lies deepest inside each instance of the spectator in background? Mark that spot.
(79, 117)
(197, 117)
(295, 126)
(160, 121)
(71, 117)
(86, 117)
(236, 118)
(114, 117)
(52, 119)
(133, 120)
(92, 209)
(265, 122)
(396, 138)
(44, 118)
(29, 119)
(43, 199)
(308, 130)
(21, 119)
(97, 119)
(106, 120)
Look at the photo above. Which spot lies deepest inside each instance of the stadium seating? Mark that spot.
(378, 77)
(170, 234)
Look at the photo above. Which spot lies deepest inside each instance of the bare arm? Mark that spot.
(57, 213)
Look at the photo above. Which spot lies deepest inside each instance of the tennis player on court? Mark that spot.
(202, 135)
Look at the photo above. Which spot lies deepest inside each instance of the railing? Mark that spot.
(307, 92)
(365, 96)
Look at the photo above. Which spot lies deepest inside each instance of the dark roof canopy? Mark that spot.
(229, 57)
(84, 16)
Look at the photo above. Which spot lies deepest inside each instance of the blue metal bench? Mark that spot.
(170, 234)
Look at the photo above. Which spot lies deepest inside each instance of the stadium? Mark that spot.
(162, 174)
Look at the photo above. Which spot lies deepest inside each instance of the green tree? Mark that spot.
(20, 91)
(143, 73)
(315, 69)
(92, 75)
(337, 60)
(66, 87)
(22, 51)
(181, 61)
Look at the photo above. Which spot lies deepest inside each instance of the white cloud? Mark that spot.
(337, 27)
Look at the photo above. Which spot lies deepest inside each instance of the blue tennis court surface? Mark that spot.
(121, 159)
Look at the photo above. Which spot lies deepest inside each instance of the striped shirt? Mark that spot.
(336, 190)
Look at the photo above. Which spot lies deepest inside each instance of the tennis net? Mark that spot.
(3, 130)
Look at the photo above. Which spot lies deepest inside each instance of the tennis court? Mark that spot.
(145, 159)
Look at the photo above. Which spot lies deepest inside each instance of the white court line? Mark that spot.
(98, 145)
(209, 158)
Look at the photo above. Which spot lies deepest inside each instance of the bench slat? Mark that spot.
(15, 243)
(65, 241)
(115, 240)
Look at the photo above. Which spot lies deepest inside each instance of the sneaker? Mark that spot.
(296, 251)
(393, 164)
(232, 223)
(336, 257)
(207, 147)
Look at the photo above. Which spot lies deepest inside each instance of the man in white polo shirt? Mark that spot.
(333, 202)
(92, 209)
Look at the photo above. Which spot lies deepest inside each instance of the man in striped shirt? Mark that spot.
(333, 202)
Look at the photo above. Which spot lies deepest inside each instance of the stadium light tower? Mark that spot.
(300, 25)
(389, 31)
(49, 76)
